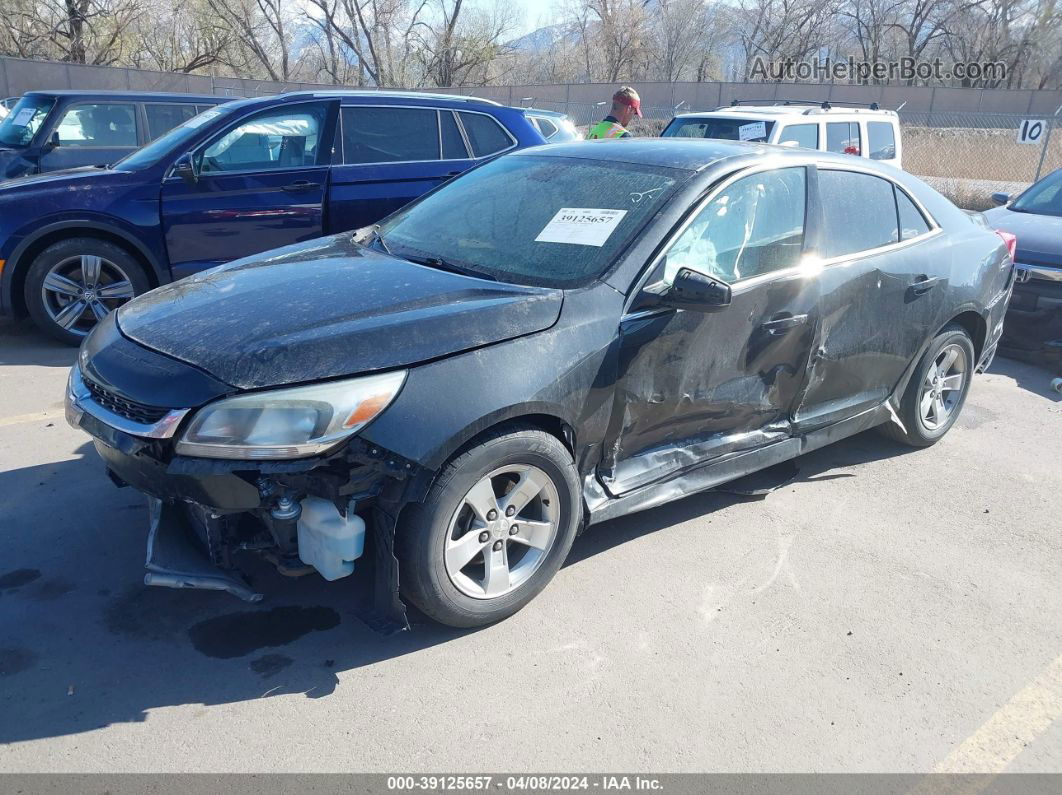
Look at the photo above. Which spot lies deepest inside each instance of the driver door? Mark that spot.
(261, 184)
(698, 385)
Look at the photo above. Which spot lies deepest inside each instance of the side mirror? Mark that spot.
(692, 290)
(186, 170)
(1001, 198)
(792, 144)
(53, 142)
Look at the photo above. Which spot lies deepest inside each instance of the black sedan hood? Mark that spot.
(325, 309)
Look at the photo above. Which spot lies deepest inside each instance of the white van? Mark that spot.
(864, 131)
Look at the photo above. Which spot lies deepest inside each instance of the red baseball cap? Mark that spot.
(628, 96)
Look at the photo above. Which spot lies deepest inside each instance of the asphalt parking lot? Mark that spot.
(889, 610)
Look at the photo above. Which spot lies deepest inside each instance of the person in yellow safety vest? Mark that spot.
(626, 104)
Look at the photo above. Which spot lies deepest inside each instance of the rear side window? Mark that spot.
(162, 118)
(104, 125)
(881, 140)
(453, 145)
(806, 136)
(912, 222)
(843, 137)
(859, 212)
(545, 126)
(389, 135)
(485, 134)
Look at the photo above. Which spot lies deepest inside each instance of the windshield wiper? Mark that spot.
(443, 265)
(377, 237)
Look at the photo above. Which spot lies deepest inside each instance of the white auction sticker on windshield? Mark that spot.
(756, 129)
(581, 226)
(22, 118)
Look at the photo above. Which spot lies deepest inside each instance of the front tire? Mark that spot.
(75, 283)
(493, 530)
(937, 391)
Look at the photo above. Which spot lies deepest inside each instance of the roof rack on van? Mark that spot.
(818, 104)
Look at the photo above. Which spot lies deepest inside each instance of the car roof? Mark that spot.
(793, 109)
(378, 94)
(131, 95)
(691, 154)
(553, 114)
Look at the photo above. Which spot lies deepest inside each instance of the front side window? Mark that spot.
(806, 136)
(723, 129)
(881, 140)
(485, 134)
(753, 226)
(843, 137)
(102, 124)
(23, 121)
(389, 135)
(859, 212)
(275, 139)
(533, 220)
(163, 117)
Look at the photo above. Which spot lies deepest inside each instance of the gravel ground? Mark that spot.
(890, 610)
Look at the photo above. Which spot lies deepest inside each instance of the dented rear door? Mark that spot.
(882, 282)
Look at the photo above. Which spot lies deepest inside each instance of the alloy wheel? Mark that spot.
(80, 291)
(943, 386)
(502, 531)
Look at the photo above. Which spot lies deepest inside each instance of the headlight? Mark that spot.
(289, 423)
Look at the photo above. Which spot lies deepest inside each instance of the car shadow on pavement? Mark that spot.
(22, 343)
(85, 644)
(1031, 377)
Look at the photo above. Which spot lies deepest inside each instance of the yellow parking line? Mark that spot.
(1001, 738)
(21, 419)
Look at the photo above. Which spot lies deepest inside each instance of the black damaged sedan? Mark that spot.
(556, 338)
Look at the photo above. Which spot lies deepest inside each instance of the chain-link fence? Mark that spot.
(955, 145)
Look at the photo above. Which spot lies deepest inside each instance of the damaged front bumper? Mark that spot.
(303, 515)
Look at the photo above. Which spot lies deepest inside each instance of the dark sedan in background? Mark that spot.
(54, 130)
(1034, 324)
(556, 338)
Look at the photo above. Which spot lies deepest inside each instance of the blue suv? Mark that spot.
(235, 180)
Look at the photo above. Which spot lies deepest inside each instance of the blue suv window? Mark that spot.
(98, 124)
(282, 138)
(390, 134)
(453, 144)
(485, 134)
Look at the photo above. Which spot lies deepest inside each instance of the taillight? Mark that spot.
(1011, 241)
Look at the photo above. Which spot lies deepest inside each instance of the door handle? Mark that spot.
(451, 174)
(923, 284)
(301, 186)
(780, 324)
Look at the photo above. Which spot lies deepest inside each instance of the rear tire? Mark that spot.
(75, 283)
(937, 391)
(461, 560)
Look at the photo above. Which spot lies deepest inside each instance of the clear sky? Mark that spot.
(535, 13)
